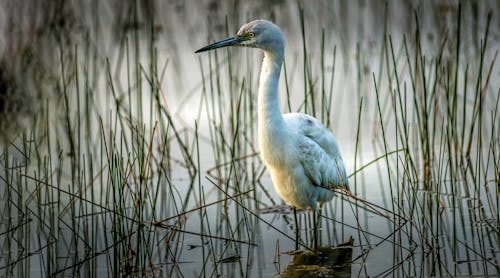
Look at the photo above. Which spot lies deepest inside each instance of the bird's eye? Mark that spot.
(250, 35)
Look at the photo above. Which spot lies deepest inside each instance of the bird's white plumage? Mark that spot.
(304, 161)
(301, 155)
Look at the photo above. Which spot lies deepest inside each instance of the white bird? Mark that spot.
(299, 152)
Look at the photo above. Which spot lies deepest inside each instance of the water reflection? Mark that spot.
(110, 176)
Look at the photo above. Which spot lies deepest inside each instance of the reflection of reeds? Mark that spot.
(109, 179)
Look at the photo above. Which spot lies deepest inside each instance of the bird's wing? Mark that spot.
(319, 153)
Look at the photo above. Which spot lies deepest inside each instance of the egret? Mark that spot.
(300, 153)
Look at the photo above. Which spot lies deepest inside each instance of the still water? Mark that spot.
(142, 157)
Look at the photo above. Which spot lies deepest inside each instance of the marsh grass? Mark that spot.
(111, 181)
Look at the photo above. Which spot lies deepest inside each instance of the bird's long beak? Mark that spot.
(225, 42)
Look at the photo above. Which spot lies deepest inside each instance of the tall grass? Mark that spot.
(111, 180)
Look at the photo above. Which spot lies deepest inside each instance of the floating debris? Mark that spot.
(327, 261)
(231, 259)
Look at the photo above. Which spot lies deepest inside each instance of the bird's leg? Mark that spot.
(320, 208)
(297, 235)
(315, 230)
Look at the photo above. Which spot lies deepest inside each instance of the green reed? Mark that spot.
(110, 181)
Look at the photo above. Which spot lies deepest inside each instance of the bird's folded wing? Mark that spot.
(320, 168)
(320, 155)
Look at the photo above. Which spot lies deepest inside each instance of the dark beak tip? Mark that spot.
(201, 50)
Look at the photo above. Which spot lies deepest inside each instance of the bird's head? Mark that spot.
(260, 33)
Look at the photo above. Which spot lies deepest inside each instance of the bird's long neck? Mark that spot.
(270, 118)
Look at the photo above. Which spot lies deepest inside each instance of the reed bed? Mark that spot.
(109, 178)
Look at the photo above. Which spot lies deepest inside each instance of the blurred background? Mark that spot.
(125, 153)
